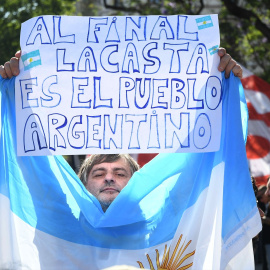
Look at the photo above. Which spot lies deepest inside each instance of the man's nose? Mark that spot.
(109, 177)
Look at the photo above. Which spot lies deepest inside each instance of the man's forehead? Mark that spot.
(120, 163)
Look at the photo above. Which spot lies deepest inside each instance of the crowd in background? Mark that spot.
(262, 241)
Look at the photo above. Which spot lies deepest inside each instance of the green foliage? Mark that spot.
(166, 7)
(15, 12)
(244, 41)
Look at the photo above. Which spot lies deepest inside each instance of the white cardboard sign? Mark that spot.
(126, 84)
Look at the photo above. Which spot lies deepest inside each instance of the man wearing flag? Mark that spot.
(186, 216)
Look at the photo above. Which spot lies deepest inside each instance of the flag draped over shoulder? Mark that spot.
(180, 211)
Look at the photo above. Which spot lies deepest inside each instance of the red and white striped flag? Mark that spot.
(257, 92)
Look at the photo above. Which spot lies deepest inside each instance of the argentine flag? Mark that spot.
(180, 211)
(31, 59)
(213, 50)
(204, 22)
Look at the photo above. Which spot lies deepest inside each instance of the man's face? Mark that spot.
(106, 180)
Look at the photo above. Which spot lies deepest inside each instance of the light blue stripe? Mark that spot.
(30, 54)
(205, 18)
(213, 50)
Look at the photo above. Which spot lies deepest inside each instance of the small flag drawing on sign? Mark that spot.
(31, 59)
(204, 22)
(213, 50)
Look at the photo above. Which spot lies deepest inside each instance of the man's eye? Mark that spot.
(97, 175)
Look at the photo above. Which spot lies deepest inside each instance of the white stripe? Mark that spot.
(246, 72)
(236, 242)
(205, 22)
(34, 58)
(260, 166)
(260, 101)
(212, 223)
(243, 260)
(258, 128)
(13, 234)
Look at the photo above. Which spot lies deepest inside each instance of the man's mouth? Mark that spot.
(109, 189)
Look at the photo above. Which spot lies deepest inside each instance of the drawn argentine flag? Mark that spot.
(180, 211)
(213, 50)
(204, 22)
(31, 59)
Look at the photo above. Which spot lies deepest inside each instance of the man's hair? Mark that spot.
(93, 160)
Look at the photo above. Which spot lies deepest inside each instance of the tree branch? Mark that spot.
(201, 7)
(120, 8)
(247, 15)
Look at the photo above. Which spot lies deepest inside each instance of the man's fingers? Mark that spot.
(8, 69)
(18, 54)
(11, 68)
(221, 52)
(224, 61)
(3, 72)
(231, 64)
(227, 64)
(238, 71)
(14, 66)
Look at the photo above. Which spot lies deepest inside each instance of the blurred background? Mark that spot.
(244, 24)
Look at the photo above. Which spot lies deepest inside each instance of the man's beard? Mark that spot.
(106, 203)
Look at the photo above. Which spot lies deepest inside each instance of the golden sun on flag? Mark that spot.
(175, 262)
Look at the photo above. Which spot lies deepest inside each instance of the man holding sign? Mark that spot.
(124, 84)
(124, 165)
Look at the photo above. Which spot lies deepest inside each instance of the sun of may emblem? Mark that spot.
(175, 262)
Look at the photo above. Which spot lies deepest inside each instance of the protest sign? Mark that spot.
(125, 84)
